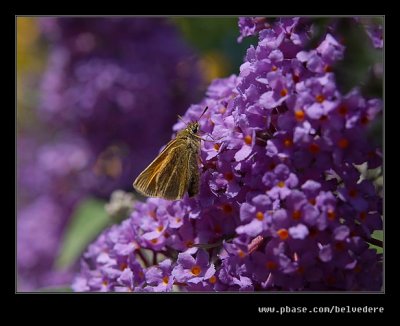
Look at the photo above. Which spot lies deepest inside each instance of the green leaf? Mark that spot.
(216, 34)
(378, 234)
(359, 57)
(88, 220)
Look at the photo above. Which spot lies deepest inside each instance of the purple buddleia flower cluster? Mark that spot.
(250, 26)
(281, 203)
(110, 91)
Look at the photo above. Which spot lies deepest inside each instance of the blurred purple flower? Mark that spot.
(50, 178)
(375, 33)
(280, 205)
(39, 229)
(59, 168)
(109, 94)
(105, 78)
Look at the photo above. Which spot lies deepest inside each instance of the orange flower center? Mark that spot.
(340, 246)
(284, 92)
(331, 214)
(288, 142)
(343, 110)
(364, 120)
(281, 184)
(314, 148)
(363, 216)
(323, 118)
(260, 216)
(299, 115)
(343, 143)
(213, 279)
(313, 232)
(353, 193)
(283, 234)
(227, 208)
(229, 176)
(296, 215)
(196, 270)
(320, 98)
(217, 228)
(300, 270)
(248, 139)
(271, 265)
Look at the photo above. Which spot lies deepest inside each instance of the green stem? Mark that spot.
(143, 258)
(375, 242)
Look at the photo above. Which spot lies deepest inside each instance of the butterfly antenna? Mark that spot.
(180, 118)
(203, 112)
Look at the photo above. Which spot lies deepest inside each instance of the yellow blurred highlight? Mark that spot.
(28, 58)
(30, 64)
(109, 162)
(214, 65)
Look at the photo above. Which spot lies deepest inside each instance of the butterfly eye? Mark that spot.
(195, 128)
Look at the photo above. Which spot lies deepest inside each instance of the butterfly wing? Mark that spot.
(173, 180)
(167, 176)
(193, 186)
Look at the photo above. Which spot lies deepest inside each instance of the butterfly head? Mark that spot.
(193, 127)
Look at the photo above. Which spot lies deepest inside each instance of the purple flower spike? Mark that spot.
(282, 204)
